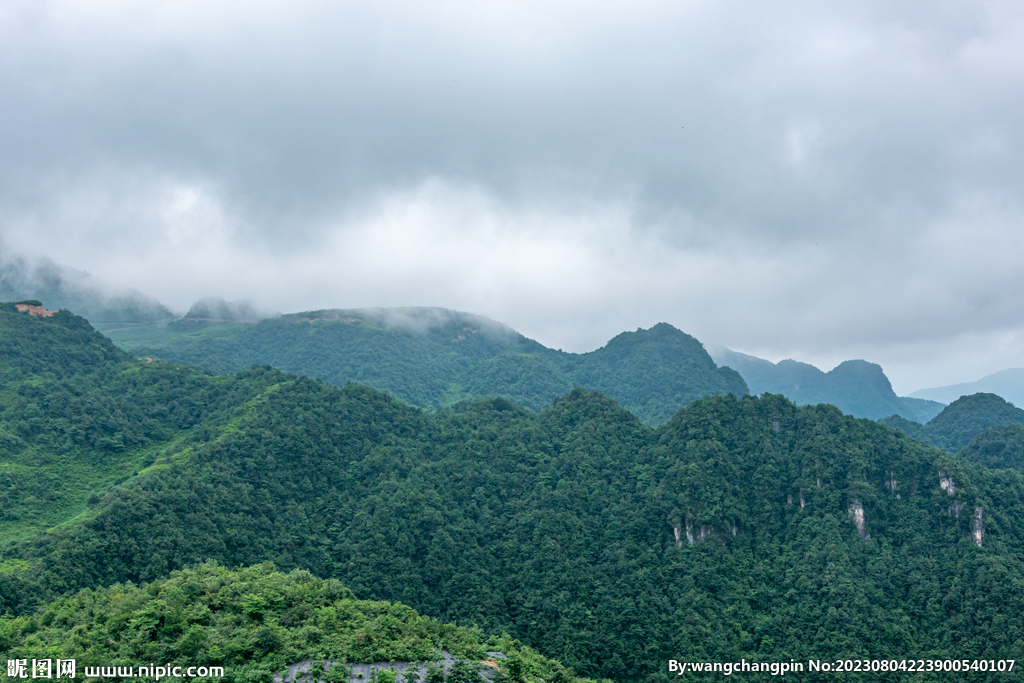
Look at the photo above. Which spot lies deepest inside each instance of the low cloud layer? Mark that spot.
(820, 181)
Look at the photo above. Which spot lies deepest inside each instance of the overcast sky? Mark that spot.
(812, 180)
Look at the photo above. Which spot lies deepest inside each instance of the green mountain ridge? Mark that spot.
(961, 421)
(742, 528)
(432, 357)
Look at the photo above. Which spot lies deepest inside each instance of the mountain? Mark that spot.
(1006, 383)
(856, 387)
(433, 357)
(253, 624)
(66, 288)
(961, 421)
(742, 528)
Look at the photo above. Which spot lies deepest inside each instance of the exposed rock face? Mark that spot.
(856, 511)
(703, 533)
(890, 481)
(947, 483)
(37, 311)
(977, 527)
(363, 673)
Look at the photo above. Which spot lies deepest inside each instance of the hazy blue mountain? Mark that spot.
(960, 421)
(856, 387)
(924, 409)
(433, 357)
(1006, 383)
(61, 287)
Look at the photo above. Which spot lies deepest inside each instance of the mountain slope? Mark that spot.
(433, 357)
(856, 387)
(79, 415)
(997, 447)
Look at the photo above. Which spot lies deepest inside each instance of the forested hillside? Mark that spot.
(77, 415)
(856, 387)
(742, 528)
(961, 421)
(255, 623)
(431, 357)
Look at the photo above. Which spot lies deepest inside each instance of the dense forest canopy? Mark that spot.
(741, 528)
(255, 623)
(961, 421)
(997, 447)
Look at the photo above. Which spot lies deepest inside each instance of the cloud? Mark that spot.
(820, 180)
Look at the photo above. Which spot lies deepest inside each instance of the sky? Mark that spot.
(810, 180)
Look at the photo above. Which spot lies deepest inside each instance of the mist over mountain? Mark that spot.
(63, 287)
(1006, 383)
(433, 357)
(215, 309)
(856, 387)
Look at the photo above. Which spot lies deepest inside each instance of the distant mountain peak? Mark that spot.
(1007, 383)
(857, 387)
